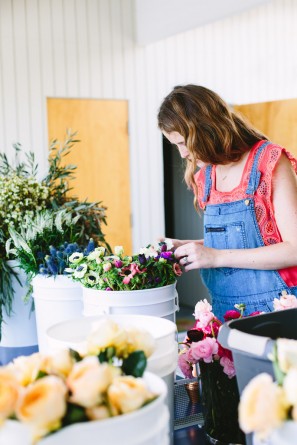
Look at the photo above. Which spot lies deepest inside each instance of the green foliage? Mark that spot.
(135, 364)
(24, 198)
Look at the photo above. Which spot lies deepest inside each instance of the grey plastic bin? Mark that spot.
(252, 339)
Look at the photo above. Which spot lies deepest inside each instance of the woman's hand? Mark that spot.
(193, 255)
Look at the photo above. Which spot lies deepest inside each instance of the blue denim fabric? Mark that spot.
(234, 226)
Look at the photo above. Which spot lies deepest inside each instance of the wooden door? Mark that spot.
(277, 120)
(102, 158)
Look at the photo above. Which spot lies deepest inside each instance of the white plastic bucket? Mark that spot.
(19, 335)
(158, 302)
(163, 362)
(147, 426)
(56, 299)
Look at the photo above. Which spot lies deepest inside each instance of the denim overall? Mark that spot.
(233, 225)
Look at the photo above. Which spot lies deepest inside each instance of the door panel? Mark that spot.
(102, 158)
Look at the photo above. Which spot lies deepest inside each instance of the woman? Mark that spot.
(247, 188)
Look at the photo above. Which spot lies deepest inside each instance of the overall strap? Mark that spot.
(207, 186)
(255, 174)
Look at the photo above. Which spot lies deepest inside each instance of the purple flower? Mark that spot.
(166, 255)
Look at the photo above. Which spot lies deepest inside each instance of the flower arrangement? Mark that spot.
(154, 266)
(50, 392)
(45, 243)
(23, 197)
(266, 404)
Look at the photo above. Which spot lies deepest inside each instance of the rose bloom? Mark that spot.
(106, 333)
(202, 306)
(43, 405)
(231, 315)
(98, 412)
(285, 302)
(138, 340)
(88, 380)
(204, 349)
(127, 394)
(184, 363)
(286, 353)
(59, 363)
(204, 319)
(262, 406)
(9, 393)
(228, 367)
(290, 387)
(26, 368)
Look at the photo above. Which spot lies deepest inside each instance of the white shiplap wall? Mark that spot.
(86, 48)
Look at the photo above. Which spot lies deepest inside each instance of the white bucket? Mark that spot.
(159, 302)
(56, 299)
(147, 426)
(163, 362)
(19, 336)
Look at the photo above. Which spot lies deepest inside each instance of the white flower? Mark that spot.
(262, 406)
(80, 271)
(75, 257)
(119, 250)
(286, 353)
(89, 380)
(169, 243)
(43, 405)
(105, 333)
(127, 394)
(290, 387)
(202, 307)
(285, 302)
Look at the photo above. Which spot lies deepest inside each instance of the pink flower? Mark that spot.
(231, 315)
(177, 269)
(228, 367)
(204, 319)
(285, 302)
(204, 349)
(185, 365)
(133, 269)
(118, 263)
(256, 313)
(107, 267)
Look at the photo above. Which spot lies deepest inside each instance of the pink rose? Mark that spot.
(228, 367)
(204, 319)
(205, 349)
(201, 307)
(185, 365)
(285, 302)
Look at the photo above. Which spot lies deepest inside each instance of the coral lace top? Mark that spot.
(263, 196)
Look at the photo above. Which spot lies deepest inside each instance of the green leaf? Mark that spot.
(74, 414)
(41, 374)
(75, 355)
(135, 364)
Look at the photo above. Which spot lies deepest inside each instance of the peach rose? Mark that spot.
(98, 412)
(26, 368)
(43, 405)
(137, 339)
(9, 393)
(89, 380)
(262, 406)
(59, 363)
(127, 394)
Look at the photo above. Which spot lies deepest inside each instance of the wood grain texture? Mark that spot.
(102, 157)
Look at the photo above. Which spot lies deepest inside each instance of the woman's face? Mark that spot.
(177, 139)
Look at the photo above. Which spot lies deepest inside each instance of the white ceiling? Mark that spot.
(158, 19)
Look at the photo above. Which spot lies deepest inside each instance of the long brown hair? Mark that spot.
(213, 132)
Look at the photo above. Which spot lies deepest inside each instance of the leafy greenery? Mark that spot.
(25, 201)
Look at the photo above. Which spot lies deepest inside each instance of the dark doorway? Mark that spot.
(181, 221)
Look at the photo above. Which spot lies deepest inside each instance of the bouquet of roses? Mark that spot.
(50, 392)
(201, 342)
(154, 266)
